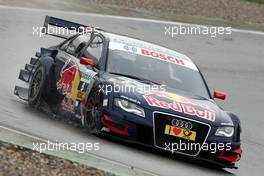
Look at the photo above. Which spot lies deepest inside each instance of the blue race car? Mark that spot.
(131, 90)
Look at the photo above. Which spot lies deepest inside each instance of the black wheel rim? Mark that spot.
(36, 84)
(94, 109)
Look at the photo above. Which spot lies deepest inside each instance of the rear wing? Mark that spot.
(64, 29)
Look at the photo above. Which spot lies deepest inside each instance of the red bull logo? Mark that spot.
(66, 79)
(177, 98)
(180, 107)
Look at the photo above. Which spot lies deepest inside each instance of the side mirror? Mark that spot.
(219, 95)
(87, 61)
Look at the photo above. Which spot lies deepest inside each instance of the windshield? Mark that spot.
(156, 70)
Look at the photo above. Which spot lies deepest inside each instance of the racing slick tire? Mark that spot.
(36, 86)
(94, 110)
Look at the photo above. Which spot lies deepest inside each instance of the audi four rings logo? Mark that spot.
(182, 124)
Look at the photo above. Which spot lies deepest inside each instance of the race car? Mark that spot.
(132, 90)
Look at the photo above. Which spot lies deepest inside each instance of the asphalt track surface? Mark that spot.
(231, 63)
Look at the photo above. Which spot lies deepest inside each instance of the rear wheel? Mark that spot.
(36, 86)
(94, 110)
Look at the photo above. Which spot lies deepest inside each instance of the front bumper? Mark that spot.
(138, 132)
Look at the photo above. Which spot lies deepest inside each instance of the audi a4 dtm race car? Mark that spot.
(132, 90)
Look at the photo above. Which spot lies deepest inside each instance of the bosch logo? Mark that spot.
(182, 124)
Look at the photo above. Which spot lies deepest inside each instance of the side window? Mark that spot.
(77, 44)
(95, 49)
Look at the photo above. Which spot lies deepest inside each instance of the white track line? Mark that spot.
(23, 134)
(88, 154)
(126, 18)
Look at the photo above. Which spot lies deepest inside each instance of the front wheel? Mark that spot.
(94, 110)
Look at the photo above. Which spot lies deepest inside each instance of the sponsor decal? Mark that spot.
(105, 102)
(72, 82)
(130, 48)
(69, 80)
(84, 82)
(82, 87)
(141, 44)
(125, 81)
(130, 99)
(105, 129)
(180, 132)
(227, 124)
(88, 76)
(180, 107)
(176, 58)
(182, 124)
(177, 98)
(162, 56)
(67, 104)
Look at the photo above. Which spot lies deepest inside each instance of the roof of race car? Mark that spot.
(152, 50)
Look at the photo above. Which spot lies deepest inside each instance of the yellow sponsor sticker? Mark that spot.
(180, 132)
